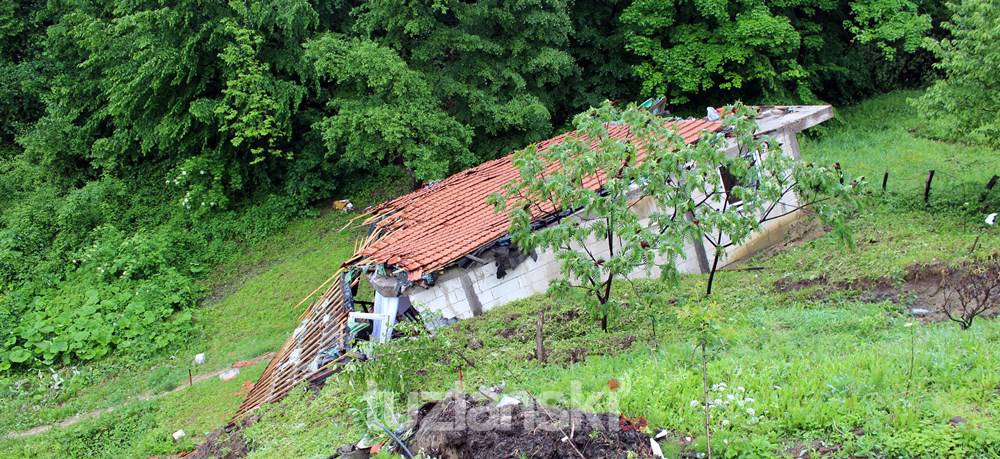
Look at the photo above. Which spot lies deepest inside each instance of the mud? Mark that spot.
(925, 287)
(224, 443)
(460, 427)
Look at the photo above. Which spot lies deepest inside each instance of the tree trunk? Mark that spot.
(711, 273)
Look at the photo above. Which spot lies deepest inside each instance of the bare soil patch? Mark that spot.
(460, 427)
(925, 289)
(224, 443)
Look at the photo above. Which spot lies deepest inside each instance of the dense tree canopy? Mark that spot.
(770, 50)
(141, 140)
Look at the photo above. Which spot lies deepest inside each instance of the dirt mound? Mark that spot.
(224, 443)
(461, 427)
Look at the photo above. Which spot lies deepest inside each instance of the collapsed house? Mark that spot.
(443, 251)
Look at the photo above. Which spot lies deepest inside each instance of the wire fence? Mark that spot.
(940, 188)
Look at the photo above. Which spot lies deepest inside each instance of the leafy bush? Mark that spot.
(125, 293)
(99, 269)
(963, 105)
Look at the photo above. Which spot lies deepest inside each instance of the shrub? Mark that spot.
(963, 105)
(127, 292)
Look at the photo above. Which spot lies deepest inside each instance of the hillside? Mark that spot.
(819, 337)
(822, 355)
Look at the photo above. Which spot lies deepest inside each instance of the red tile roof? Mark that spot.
(435, 226)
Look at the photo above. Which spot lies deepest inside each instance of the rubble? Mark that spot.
(229, 374)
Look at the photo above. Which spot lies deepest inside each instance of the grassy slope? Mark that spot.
(841, 359)
(834, 369)
(250, 313)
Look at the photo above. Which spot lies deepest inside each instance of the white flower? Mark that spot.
(740, 389)
(749, 400)
(725, 422)
(694, 403)
(751, 412)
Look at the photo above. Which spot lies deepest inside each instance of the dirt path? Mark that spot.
(38, 430)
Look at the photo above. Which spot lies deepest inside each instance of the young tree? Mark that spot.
(581, 198)
(589, 186)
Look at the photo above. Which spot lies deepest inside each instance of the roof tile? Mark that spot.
(433, 227)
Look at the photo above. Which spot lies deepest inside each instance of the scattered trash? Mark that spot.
(343, 204)
(713, 115)
(229, 374)
(920, 311)
(364, 443)
(653, 445)
(508, 401)
(661, 434)
(199, 359)
(637, 423)
(493, 392)
(178, 435)
(956, 421)
(991, 219)
(613, 384)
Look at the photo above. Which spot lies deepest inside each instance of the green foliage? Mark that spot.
(645, 198)
(963, 104)
(382, 111)
(494, 64)
(768, 50)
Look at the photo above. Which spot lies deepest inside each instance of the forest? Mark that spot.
(144, 141)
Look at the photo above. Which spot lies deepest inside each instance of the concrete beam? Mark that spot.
(795, 118)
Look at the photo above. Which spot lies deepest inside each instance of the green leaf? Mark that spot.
(18, 355)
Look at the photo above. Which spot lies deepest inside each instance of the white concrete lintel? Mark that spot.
(795, 118)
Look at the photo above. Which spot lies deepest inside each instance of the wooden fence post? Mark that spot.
(927, 186)
(989, 187)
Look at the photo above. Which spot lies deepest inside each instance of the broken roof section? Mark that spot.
(427, 230)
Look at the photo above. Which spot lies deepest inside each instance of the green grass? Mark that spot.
(250, 313)
(832, 369)
(144, 428)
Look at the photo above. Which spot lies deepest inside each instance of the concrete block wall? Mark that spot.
(451, 299)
